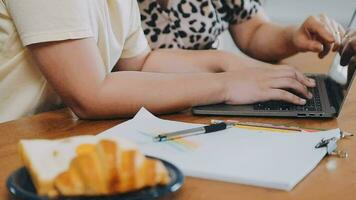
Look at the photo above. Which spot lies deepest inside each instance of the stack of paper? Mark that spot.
(267, 159)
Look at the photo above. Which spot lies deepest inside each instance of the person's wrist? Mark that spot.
(290, 33)
(223, 85)
(226, 61)
(212, 90)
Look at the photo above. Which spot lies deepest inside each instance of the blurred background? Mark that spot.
(296, 11)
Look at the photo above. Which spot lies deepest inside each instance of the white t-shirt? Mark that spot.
(114, 24)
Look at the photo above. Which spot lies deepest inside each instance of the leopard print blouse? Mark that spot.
(192, 24)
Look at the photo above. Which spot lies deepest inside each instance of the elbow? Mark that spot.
(84, 113)
(85, 109)
(97, 110)
(251, 42)
(95, 105)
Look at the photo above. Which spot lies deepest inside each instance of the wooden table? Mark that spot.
(333, 178)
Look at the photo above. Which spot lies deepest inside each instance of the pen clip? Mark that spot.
(159, 138)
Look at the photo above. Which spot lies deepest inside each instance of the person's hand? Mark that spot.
(255, 84)
(318, 34)
(348, 54)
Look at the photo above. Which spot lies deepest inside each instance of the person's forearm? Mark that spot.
(271, 43)
(196, 61)
(160, 93)
(183, 61)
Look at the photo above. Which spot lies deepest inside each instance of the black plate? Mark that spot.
(21, 187)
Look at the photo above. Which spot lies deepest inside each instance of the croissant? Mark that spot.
(87, 166)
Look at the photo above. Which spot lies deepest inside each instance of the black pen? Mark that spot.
(192, 131)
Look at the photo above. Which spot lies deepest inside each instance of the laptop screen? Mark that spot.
(342, 76)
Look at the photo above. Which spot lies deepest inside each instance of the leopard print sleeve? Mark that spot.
(237, 11)
(192, 24)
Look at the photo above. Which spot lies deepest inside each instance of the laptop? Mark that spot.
(328, 97)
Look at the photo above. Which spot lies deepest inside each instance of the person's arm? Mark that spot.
(264, 40)
(75, 70)
(189, 61)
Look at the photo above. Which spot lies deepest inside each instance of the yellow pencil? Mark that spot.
(264, 126)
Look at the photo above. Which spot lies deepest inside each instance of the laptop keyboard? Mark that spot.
(313, 104)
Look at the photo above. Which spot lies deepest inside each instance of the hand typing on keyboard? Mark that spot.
(313, 104)
(264, 84)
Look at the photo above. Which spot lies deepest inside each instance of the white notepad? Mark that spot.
(266, 159)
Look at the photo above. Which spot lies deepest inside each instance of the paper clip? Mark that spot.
(331, 147)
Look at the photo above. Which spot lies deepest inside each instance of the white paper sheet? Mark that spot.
(266, 159)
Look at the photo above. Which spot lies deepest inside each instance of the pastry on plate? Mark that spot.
(89, 165)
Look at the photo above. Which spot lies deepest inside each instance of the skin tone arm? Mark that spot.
(231, 62)
(263, 40)
(76, 71)
(190, 61)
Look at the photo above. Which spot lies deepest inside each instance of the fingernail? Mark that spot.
(310, 95)
(303, 101)
(321, 55)
(312, 81)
